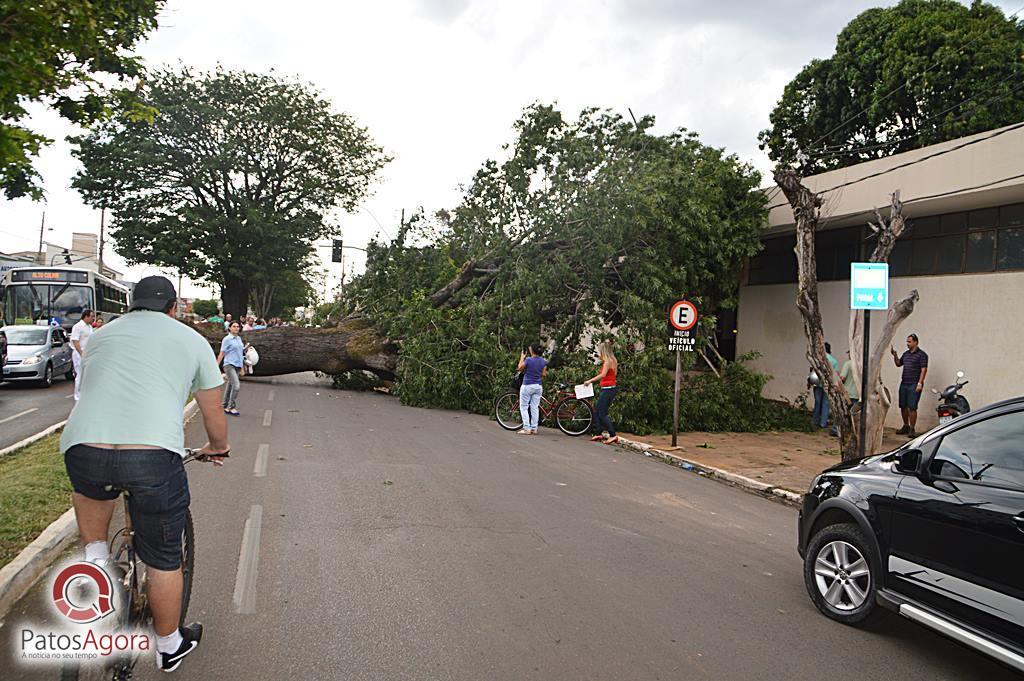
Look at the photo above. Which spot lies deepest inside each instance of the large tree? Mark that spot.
(73, 55)
(233, 178)
(902, 77)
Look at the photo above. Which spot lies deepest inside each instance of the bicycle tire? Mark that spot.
(574, 424)
(188, 564)
(506, 411)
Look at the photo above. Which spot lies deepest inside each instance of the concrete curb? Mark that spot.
(32, 438)
(18, 576)
(781, 494)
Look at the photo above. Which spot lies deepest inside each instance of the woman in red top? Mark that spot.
(609, 369)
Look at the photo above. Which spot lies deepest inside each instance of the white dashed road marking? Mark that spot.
(27, 411)
(260, 471)
(248, 561)
(267, 416)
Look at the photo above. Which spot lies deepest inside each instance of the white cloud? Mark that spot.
(439, 82)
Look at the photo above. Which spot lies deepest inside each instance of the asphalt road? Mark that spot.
(26, 409)
(399, 543)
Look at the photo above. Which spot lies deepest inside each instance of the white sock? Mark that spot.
(170, 643)
(97, 552)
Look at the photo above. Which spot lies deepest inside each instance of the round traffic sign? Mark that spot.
(683, 315)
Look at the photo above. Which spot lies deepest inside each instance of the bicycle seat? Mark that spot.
(561, 386)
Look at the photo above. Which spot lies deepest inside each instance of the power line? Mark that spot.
(907, 164)
(897, 89)
(882, 145)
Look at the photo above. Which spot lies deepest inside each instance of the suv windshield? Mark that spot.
(26, 335)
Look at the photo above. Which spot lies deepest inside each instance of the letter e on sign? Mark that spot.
(683, 315)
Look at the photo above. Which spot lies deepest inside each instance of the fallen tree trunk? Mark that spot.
(352, 345)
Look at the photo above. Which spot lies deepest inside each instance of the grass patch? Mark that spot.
(34, 491)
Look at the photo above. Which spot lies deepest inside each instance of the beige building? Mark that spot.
(963, 252)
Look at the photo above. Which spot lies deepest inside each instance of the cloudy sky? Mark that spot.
(439, 82)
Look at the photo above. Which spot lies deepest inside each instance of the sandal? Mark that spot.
(597, 438)
(612, 440)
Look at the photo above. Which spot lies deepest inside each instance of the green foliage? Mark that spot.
(66, 54)
(278, 294)
(204, 308)
(583, 231)
(232, 179)
(966, 53)
(355, 380)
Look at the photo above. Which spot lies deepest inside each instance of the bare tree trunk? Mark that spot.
(806, 207)
(877, 399)
(354, 344)
(235, 296)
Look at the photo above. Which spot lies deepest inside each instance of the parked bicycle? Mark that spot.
(128, 574)
(572, 415)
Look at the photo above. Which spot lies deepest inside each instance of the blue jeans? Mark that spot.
(602, 421)
(529, 405)
(820, 416)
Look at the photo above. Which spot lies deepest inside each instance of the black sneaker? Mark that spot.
(190, 638)
(903, 431)
(911, 434)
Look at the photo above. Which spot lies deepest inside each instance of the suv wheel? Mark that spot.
(840, 574)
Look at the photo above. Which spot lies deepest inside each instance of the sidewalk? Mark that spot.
(787, 460)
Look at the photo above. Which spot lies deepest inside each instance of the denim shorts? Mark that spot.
(909, 397)
(157, 489)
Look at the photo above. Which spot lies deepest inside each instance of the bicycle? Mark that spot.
(128, 574)
(573, 416)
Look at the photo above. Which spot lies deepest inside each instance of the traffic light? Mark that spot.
(336, 251)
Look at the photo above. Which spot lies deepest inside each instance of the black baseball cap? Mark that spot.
(153, 293)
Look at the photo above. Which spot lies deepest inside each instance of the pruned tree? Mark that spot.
(233, 179)
(806, 207)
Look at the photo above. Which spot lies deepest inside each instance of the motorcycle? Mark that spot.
(951, 402)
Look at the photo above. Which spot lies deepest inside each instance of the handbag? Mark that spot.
(517, 380)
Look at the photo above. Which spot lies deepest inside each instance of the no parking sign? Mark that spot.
(682, 326)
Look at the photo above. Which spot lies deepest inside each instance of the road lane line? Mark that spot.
(260, 470)
(267, 415)
(27, 411)
(270, 395)
(248, 561)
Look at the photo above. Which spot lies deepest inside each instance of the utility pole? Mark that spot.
(42, 226)
(103, 215)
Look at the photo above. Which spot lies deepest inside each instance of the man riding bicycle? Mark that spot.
(126, 434)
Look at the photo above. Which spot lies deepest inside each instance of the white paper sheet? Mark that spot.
(584, 391)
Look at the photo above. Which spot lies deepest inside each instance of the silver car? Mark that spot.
(37, 353)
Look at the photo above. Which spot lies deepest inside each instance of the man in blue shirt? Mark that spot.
(915, 367)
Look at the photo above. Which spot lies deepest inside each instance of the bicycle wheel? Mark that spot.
(188, 563)
(574, 416)
(506, 411)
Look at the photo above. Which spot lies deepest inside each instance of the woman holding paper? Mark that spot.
(609, 368)
(534, 369)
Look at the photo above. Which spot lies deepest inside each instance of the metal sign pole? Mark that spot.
(864, 384)
(675, 405)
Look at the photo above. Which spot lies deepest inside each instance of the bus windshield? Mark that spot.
(31, 302)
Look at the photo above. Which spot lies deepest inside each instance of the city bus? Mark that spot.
(57, 295)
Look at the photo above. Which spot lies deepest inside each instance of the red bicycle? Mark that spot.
(572, 415)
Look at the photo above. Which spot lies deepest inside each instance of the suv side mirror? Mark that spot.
(909, 461)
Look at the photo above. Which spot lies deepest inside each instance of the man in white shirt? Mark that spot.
(80, 333)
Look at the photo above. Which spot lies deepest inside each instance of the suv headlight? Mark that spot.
(34, 359)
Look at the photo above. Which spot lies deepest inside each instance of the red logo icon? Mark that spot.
(87, 578)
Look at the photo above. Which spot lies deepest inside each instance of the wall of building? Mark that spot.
(973, 323)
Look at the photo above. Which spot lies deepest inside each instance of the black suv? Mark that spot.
(933, 531)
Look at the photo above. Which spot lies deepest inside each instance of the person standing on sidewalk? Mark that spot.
(232, 354)
(80, 333)
(126, 434)
(821, 409)
(534, 369)
(915, 367)
(849, 379)
(609, 389)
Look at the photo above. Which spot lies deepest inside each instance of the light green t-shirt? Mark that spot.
(137, 373)
(849, 380)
